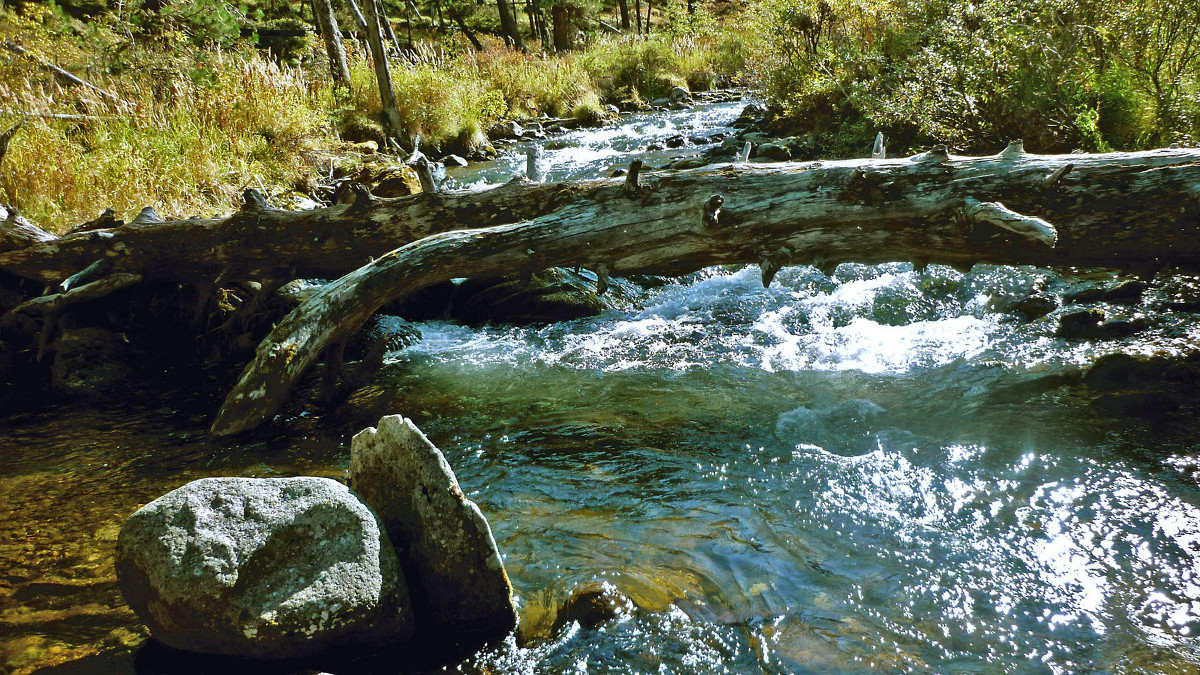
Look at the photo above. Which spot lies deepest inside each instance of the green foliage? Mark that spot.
(1059, 74)
(650, 66)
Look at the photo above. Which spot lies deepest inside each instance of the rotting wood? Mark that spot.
(17, 233)
(1136, 211)
(1127, 215)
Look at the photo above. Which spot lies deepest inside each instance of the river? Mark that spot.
(873, 472)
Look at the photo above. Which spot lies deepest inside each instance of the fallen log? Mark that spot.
(1138, 211)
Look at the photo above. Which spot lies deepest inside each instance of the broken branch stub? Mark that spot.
(1119, 210)
(997, 214)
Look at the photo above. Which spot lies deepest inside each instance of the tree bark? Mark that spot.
(328, 25)
(1132, 210)
(561, 18)
(624, 5)
(387, 91)
(508, 23)
(462, 25)
(1137, 211)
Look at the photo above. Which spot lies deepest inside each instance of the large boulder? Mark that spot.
(458, 584)
(263, 568)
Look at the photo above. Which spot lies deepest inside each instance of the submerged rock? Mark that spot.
(1152, 403)
(262, 568)
(843, 429)
(89, 361)
(1114, 372)
(457, 580)
(593, 604)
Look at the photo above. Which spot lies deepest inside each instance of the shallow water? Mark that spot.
(870, 472)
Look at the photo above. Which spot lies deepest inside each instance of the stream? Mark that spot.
(871, 472)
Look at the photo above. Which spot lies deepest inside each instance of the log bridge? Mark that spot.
(1136, 211)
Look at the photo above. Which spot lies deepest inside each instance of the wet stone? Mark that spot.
(1081, 325)
(1085, 296)
(457, 580)
(1128, 292)
(1115, 372)
(263, 568)
(1035, 307)
(592, 605)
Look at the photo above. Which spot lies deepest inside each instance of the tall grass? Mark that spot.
(192, 135)
(202, 125)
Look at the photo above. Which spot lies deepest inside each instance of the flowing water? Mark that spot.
(882, 471)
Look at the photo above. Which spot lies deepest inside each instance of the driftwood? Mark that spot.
(1137, 211)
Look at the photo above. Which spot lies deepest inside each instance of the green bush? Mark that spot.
(1060, 74)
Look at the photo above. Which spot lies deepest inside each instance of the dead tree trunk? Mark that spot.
(359, 20)
(462, 25)
(1138, 211)
(328, 25)
(387, 91)
(929, 208)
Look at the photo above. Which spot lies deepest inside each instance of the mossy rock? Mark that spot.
(356, 128)
(549, 296)
(398, 181)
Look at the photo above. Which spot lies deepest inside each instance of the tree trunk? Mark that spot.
(1138, 211)
(328, 25)
(508, 24)
(561, 18)
(529, 12)
(359, 20)
(383, 75)
(387, 26)
(624, 5)
(462, 25)
(637, 14)
(648, 7)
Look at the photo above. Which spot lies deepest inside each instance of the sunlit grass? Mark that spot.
(198, 127)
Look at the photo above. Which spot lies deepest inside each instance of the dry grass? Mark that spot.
(203, 125)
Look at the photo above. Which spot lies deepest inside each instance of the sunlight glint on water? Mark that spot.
(826, 475)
